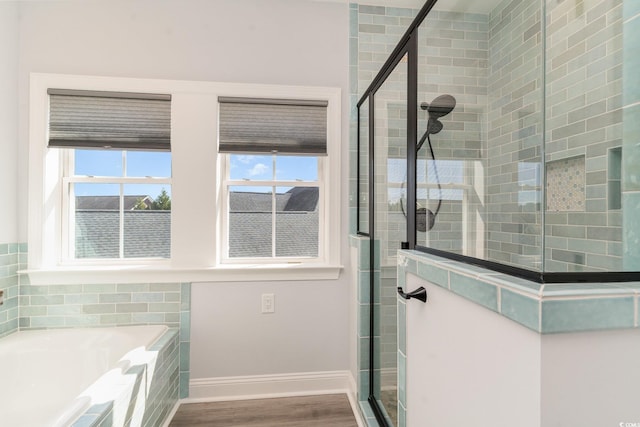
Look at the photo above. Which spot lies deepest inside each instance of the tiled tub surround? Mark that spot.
(543, 308)
(10, 259)
(90, 377)
(28, 307)
(149, 392)
(92, 305)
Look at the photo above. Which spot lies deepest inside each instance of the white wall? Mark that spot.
(247, 41)
(8, 120)
(591, 378)
(289, 42)
(307, 332)
(467, 365)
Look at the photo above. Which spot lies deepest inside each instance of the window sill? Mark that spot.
(154, 274)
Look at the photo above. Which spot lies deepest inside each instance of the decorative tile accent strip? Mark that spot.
(587, 314)
(520, 308)
(471, 289)
(544, 308)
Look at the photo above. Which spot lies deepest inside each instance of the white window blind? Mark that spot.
(284, 126)
(118, 120)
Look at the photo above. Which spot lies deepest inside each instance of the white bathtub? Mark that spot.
(49, 378)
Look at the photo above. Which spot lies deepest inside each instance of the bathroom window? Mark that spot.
(149, 202)
(116, 173)
(273, 205)
(274, 154)
(117, 204)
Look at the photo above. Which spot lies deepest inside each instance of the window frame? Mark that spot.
(67, 240)
(227, 182)
(196, 210)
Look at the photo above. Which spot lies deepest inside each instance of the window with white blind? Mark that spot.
(149, 181)
(274, 186)
(116, 180)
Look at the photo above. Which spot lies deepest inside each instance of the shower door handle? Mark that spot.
(420, 293)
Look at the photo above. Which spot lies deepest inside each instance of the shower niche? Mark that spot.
(501, 134)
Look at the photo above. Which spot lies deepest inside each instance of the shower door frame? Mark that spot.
(408, 46)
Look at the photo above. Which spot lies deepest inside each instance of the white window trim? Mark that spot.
(196, 216)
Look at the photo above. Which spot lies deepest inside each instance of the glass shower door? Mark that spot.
(390, 230)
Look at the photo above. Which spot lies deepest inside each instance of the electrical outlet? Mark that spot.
(268, 303)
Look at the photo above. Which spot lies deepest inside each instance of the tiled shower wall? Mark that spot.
(10, 260)
(497, 58)
(584, 130)
(452, 59)
(514, 134)
(630, 173)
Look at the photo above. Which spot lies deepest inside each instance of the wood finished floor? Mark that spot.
(306, 411)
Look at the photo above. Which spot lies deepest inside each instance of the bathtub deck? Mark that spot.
(306, 411)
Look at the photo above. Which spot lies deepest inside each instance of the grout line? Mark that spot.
(628, 20)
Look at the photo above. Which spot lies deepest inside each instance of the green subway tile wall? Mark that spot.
(582, 113)
(584, 88)
(10, 259)
(630, 173)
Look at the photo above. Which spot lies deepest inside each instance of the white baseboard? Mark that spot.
(269, 386)
(353, 401)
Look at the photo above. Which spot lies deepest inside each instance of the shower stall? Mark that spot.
(502, 134)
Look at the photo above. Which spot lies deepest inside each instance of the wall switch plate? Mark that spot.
(268, 303)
